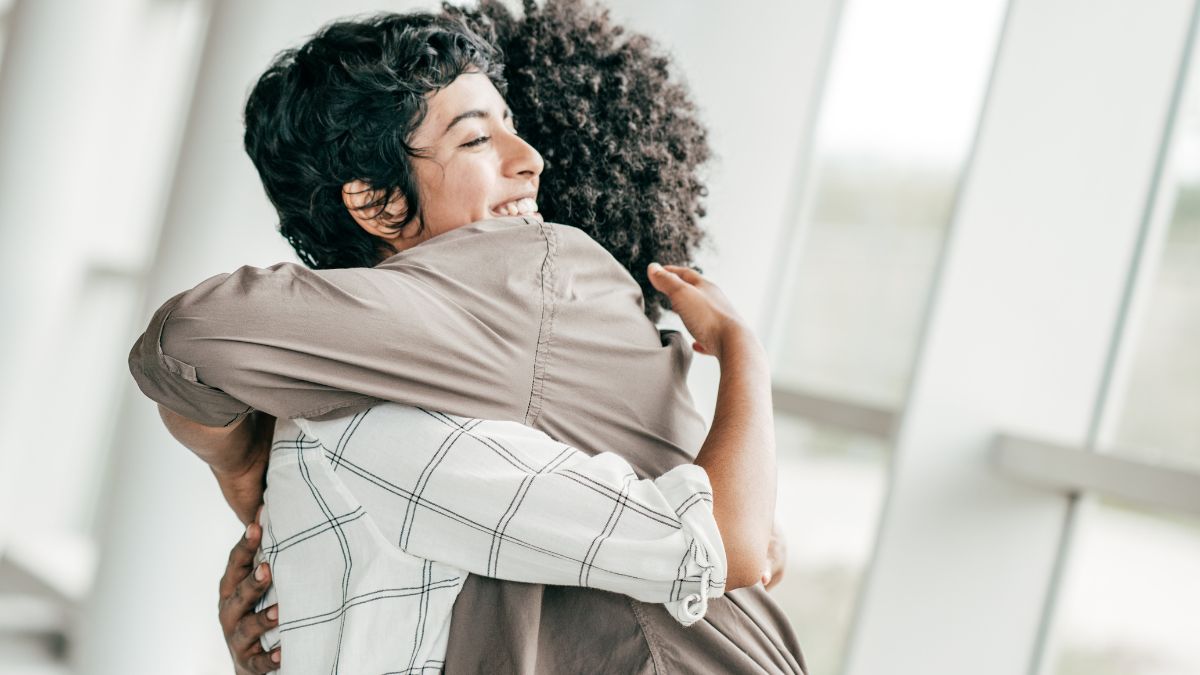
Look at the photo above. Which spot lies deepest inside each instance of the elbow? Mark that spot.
(745, 567)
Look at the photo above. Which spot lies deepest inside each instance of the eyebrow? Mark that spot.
(473, 114)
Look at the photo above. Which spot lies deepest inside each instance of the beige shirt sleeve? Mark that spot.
(452, 324)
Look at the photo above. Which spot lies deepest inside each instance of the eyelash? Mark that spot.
(484, 139)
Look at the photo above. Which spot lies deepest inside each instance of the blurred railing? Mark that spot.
(1066, 469)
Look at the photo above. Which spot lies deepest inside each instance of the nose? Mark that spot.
(521, 159)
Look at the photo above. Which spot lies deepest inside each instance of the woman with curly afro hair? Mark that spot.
(622, 151)
(622, 139)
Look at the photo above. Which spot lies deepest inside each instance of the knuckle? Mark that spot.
(243, 633)
(262, 623)
(239, 549)
(259, 663)
(253, 585)
(243, 552)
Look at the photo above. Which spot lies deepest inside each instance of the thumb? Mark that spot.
(665, 280)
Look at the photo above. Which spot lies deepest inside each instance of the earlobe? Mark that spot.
(380, 220)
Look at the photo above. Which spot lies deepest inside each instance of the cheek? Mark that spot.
(471, 187)
(458, 195)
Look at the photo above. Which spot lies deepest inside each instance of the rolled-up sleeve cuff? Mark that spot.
(173, 383)
(704, 567)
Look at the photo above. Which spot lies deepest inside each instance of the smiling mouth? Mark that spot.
(518, 207)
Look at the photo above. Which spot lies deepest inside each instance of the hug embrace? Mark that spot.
(473, 449)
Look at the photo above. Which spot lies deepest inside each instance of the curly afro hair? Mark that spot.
(622, 140)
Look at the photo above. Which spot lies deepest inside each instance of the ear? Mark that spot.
(380, 221)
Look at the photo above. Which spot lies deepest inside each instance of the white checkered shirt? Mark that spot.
(373, 521)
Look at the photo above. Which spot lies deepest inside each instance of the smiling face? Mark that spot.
(472, 166)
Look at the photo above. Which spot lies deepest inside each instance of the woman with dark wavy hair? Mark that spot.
(357, 190)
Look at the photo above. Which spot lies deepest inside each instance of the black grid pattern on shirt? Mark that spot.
(332, 527)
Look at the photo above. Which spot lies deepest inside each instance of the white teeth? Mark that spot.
(520, 207)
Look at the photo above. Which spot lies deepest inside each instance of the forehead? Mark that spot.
(470, 91)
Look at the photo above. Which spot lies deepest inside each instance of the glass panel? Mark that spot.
(1133, 584)
(831, 487)
(1158, 419)
(3, 36)
(1130, 600)
(895, 128)
(6, 7)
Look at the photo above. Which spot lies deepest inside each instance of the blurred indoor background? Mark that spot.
(968, 232)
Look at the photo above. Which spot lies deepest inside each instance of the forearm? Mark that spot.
(583, 520)
(296, 342)
(237, 455)
(739, 456)
(225, 449)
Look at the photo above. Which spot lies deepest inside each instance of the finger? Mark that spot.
(773, 579)
(260, 663)
(250, 629)
(240, 559)
(245, 595)
(666, 281)
(686, 273)
(699, 348)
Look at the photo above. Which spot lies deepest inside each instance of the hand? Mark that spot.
(776, 558)
(242, 485)
(239, 591)
(706, 312)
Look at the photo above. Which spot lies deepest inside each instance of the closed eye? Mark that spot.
(478, 141)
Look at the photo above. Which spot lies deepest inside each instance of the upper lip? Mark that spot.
(523, 195)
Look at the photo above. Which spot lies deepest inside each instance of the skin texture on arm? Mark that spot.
(739, 456)
(739, 452)
(237, 455)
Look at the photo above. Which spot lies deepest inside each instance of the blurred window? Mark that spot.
(831, 487)
(1132, 584)
(1129, 600)
(901, 105)
(5, 11)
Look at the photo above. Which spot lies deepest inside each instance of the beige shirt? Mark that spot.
(506, 319)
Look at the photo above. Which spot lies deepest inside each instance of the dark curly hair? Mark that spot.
(621, 139)
(342, 107)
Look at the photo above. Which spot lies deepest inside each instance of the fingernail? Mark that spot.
(273, 613)
(249, 530)
(275, 657)
(766, 578)
(655, 267)
(260, 572)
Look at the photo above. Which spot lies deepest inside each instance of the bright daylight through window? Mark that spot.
(1132, 586)
(893, 132)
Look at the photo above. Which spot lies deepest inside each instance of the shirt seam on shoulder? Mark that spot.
(548, 278)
